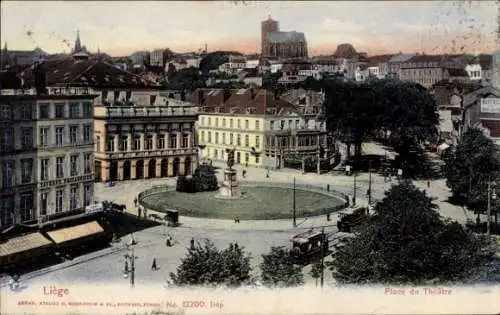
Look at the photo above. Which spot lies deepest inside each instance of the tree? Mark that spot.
(205, 265)
(407, 242)
(468, 168)
(171, 71)
(278, 269)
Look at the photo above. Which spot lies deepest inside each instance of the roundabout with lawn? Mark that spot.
(259, 201)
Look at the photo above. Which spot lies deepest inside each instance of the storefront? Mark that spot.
(24, 248)
(74, 238)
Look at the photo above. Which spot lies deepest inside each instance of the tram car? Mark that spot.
(309, 246)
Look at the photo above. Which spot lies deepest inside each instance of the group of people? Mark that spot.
(170, 243)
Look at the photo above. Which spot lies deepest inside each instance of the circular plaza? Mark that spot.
(258, 202)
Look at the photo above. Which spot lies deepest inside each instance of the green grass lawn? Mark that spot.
(259, 203)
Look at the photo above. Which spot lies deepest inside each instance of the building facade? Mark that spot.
(263, 128)
(156, 58)
(46, 155)
(154, 138)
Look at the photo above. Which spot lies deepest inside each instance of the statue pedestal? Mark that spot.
(230, 186)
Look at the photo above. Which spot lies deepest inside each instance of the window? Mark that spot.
(44, 111)
(74, 110)
(223, 138)
(60, 110)
(271, 125)
(60, 167)
(224, 122)
(27, 138)
(247, 157)
(44, 202)
(203, 136)
(148, 144)
(257, 159)
(44, 137)
(97, 144)
(231, 139)
(247, 124)
(73, 134)
(257, 142)
(247, 141)
(202, 121)
(26, 111)
(160, 141)
(87, 194)
(74, 165)
(137, 142)
(26, 171)
(87, 110)
(238, 123)
(6, 139)
(238, 140)
(257, 125)
(231, 123)
(87, 133)
(185, 140)
(217, 122)
(173, 141)
(26, 207)
(5, 113)
(59, 199)
(73, 197)
(8, 173)
(123, 143)
(216, 138)
(59, 136)
(209, 121)
(111, 144)
(209, 137)
(44, 169)
(6, 211)
(87, 163)
(297, 123)
(216, 154)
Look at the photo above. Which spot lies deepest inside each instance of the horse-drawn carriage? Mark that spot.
(171, 217)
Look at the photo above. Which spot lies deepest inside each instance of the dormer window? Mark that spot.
(217, 109)
(234, 110)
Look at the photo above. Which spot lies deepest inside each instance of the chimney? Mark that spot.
(40, 78)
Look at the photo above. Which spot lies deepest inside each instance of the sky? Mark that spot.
(119, 28)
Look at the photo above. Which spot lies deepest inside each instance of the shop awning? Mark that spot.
(75, 232)
(23, 243)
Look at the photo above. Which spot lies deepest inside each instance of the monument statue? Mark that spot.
(230, 186)
(230, 158)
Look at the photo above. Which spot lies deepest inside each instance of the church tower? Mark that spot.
(78, 44)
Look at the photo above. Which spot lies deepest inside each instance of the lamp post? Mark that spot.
(491, 196)
(370, 183)
(130, 272)
(294, 205)
(354, 189)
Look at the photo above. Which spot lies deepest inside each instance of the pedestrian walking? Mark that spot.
(126, 266)
(192, 243)
(428, 184)
(135, 201)
(153, 266)
(267, 173)
(139, 211)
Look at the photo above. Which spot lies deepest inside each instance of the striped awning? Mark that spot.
(23, 243)
(75, 232)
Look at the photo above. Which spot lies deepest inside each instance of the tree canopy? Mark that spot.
(205, 265)
(356, 111)
(407, 242)
(469, 166)
(278, 269)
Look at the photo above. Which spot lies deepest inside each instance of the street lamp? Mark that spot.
(491, 196)
(130, 271)
(294, 205)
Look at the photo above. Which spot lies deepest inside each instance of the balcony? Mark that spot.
(65, 145)
(152, 153)
(144, 111)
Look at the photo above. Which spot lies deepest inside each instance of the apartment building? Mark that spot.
(156, 58)
(263, 128)
(46, 146)
(151, 137)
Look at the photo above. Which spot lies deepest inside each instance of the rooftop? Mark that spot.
(281, 37)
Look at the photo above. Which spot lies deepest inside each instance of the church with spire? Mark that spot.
(79, 52)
